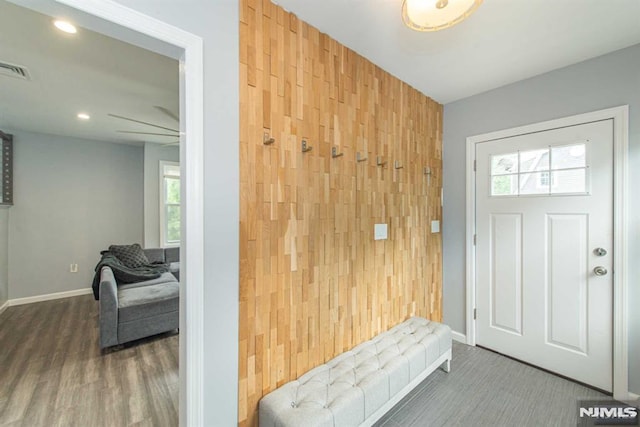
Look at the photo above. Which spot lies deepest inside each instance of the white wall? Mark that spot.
(4, 255)
(72, 199)
(153, 153)
(604, 82)
(217, 22)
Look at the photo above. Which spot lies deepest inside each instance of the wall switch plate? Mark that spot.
(380, 232)
(73, 268)
(435, 226)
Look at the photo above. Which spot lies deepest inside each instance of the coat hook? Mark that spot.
(359, 158)
(334, 152)
(305, 146)
(397, 165)
(427, 171)
(379, 161)
(267, 139)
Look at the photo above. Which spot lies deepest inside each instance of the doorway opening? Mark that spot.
(127, 25)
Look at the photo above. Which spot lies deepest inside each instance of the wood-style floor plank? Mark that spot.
(52, 372)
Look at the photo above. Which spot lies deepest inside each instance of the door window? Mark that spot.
(555, 170)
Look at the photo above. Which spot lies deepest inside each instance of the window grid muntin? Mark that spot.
(552, 173)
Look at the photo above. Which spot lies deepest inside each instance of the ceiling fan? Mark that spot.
(166, 131)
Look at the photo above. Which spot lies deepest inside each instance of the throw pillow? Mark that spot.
(130, 255)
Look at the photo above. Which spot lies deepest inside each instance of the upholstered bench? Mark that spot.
(358, 387)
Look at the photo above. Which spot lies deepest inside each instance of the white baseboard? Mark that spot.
(457, 336)
(47, 297)
(4, 306)
(633, 396)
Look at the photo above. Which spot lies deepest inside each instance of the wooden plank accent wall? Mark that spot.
(313, 282)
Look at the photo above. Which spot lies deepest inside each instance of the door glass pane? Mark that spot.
(173, 223)
(568, 156)
(504, 185)
(534, 160)
(546, 171)
(534, 183)
(569, 181)
(504, 164)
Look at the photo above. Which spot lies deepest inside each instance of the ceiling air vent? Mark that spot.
(12, 70)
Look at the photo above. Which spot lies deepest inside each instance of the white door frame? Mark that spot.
(620, 116)
(192, 186)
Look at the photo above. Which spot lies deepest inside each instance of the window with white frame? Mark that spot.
(170, 203)
(554, 170)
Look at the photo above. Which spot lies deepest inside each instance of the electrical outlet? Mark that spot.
(73, 268)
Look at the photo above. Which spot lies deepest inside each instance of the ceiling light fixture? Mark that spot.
(83, 116)
(65, 26)
(434, 15)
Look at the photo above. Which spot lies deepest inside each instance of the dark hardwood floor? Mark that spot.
(52, 372)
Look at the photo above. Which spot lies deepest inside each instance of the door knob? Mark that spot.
(600, 271)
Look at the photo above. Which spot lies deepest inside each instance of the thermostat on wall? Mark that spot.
(380, 232)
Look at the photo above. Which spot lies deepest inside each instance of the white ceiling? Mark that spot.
(504, 41)
(85, 72)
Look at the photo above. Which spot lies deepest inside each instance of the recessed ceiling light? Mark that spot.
(83, 116)
(65, 26)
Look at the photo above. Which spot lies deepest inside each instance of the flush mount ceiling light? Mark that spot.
(434, 15)
(83, 116)
(65, 26)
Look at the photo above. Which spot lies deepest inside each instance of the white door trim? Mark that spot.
(620, 116)
(192, 183)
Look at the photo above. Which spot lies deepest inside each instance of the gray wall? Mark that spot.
(607, 81)
(217, 22)
(72, 199)
(153, 153)
(4, 255)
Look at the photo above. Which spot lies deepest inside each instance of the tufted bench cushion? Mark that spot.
(359, 386)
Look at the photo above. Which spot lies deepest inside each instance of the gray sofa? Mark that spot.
(136, 310)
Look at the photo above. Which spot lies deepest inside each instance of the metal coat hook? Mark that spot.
(267, 139)
(359, 158)
(334, 152)
(379, 161)
(397, 165)
(427, 171)
(305, 146)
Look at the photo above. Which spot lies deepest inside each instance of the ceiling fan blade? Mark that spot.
(167, 112)
(141, 122)
(173, 135)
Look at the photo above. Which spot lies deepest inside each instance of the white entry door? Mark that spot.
(544, 224)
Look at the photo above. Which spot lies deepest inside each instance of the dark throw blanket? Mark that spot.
(124, 274)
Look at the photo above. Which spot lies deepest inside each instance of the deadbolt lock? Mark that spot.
(600, 251)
